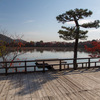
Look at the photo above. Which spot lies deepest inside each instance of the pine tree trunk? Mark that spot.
(76, 43)
(75, 54)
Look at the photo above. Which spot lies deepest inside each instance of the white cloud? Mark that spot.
(93, 33)
(94, 30)
(80, 21)
(29, 21)
(85, 21)
(32, 36)
(71, 23)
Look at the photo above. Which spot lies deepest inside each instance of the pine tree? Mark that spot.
(74, 32)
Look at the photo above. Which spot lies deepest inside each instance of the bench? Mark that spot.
(40, 65)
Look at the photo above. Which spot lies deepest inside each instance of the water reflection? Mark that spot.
(48, 52)
(52, 49)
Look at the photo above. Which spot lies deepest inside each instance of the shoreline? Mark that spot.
(49, 48)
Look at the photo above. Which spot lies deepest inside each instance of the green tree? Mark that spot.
(6, 48)
(74, 32)
(3, 50)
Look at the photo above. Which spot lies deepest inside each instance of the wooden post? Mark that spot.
(82, 65)
(95, 64)
(60, 65)
(6, 68)
(34, 68)
(68, 66)
(16, 69)
(88, 62)
(25, 67)
(77, 65)
(64, 66)
(43, 67)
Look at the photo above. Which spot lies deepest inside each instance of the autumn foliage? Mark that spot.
(94, 50)
(5, 53)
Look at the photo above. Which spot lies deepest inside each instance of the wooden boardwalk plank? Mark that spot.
(61, 89)
(51, 86)
(18, 87)
(5, 89)
(3, 80)
(40, 83)
(34, 94)
(25, 87)
(49, 89)
(11, 91)
(69, 85)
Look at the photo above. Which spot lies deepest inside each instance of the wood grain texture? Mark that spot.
(57, 85)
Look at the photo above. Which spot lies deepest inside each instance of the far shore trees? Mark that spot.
(74, 32)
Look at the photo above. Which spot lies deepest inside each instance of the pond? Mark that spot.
(46, 53)
(38, 53)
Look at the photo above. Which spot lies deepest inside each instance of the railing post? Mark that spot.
(6, 68)
(68, 66)
(43, 67)
(16, 69)
(95, 64)
(34, 68)
(64, 66)
(82, 65)
(60, 65)
(25, 67)
(88, 62)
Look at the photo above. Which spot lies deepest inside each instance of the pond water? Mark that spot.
(42, 53)
(34, 54)
(46, 54)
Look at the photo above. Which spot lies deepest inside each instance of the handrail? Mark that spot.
(60, 63)
(46, 60)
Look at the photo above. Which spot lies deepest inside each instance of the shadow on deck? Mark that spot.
(57, 85)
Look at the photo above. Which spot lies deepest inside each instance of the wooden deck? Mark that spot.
(83, 84)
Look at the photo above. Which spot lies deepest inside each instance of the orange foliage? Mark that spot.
(94, 49)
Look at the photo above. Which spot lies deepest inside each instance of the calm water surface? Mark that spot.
(31, 55)
(46, 54)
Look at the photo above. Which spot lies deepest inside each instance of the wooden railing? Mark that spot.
(60, 64)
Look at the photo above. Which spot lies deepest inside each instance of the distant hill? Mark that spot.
(17, 40)
(8, 39)
(5, 38)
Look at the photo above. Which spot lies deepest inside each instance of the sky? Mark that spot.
(36, 19)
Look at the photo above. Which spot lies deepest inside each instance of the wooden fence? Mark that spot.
(57, 64)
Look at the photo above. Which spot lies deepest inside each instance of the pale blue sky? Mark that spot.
(36, 19)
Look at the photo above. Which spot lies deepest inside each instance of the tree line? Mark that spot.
(50, 44)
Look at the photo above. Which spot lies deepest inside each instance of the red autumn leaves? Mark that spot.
(95, 49)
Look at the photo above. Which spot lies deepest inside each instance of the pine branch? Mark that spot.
(94, 24)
